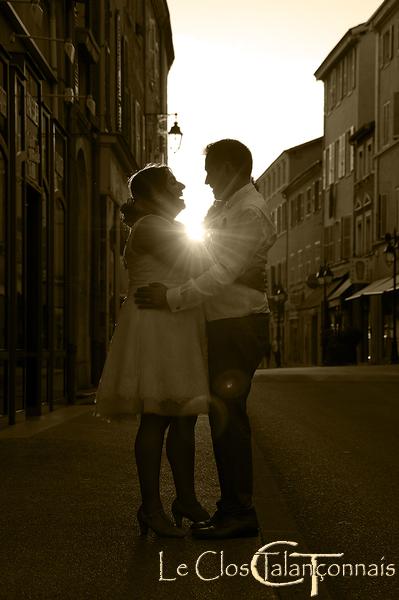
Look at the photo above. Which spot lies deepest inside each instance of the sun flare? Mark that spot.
(195, 230)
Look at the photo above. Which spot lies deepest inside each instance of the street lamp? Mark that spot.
(390, 252)
(279, 298)
(324, 278)
(175, 132)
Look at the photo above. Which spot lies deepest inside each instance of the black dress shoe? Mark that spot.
(217, 517)
(228, 527)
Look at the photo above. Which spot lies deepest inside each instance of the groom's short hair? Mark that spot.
(231, 151)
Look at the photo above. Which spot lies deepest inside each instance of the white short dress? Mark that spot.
(157, 360)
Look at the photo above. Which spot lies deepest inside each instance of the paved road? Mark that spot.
(68, 497)
(330, 439)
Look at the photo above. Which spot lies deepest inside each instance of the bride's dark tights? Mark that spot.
(180, 449)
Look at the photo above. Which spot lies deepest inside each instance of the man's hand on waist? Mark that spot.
(255, 278)
(151, 296)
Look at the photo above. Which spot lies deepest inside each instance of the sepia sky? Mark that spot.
(244, 69)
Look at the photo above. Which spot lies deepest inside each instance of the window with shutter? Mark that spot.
(345, 76)
(300, 208)
(360, 160)
(340, 149)
(317, 195)
(369, 158)
(331, 165)
(333, 88)
(351, 151)
(385, 123)
(308, 201)
(343, 151)
(331, 202)
(347, 152)
(284, 217)
(386, 47)
(339, 82)
(353, 69)
(336, 159)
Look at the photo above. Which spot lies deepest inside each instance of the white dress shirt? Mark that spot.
(240, 239)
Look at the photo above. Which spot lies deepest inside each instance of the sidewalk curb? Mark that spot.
(35, 425)
(355, 374)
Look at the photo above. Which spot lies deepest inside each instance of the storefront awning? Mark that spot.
(377, 287)
(315, 298)
(340, 291)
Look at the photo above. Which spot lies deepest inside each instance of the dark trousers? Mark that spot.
(235, 349)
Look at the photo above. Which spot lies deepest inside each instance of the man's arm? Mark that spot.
(234, 257)
(234, 254)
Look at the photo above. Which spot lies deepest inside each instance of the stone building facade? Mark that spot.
(83, 96)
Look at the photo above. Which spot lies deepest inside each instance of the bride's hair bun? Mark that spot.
(128, 211)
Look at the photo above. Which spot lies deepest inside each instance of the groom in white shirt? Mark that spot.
(237, 327)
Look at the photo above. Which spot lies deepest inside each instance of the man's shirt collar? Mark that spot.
(239, 194)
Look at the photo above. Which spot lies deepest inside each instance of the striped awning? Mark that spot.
(381, 286)
(340, 291)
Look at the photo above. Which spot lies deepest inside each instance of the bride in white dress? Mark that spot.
(157, 364)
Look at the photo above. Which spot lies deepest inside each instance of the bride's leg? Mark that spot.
(148, 450)
(180, 450)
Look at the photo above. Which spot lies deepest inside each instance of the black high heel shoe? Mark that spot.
(194, 511)
(159, 523)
